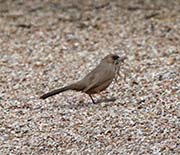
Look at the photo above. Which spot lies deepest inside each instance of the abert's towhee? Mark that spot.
(95, 81)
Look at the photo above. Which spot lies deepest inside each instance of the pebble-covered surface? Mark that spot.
(47, 44)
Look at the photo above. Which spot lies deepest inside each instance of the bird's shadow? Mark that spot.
(112, 99)
(88, 104)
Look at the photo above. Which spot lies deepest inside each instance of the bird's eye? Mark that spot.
(115, 57)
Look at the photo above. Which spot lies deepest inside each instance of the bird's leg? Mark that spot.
(92, 99)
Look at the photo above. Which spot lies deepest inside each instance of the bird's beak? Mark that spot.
(122, 58)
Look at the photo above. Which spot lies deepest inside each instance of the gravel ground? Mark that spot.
(48, 44)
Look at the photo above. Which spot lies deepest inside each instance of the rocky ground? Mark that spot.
(48, 44)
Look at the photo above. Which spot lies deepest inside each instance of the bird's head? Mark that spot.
(114, 59)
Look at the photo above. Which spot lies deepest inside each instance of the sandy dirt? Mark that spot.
(47, 44)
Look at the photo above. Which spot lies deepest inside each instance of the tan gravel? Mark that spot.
(47, 44)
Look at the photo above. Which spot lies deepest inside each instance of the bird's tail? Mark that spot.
(57, 91)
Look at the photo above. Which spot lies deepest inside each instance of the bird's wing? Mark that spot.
(97, 77)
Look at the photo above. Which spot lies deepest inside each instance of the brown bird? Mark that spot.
(95, 81)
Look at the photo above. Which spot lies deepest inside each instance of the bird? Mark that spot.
(95, 81)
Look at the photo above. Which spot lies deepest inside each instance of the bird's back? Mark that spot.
(103, 74)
